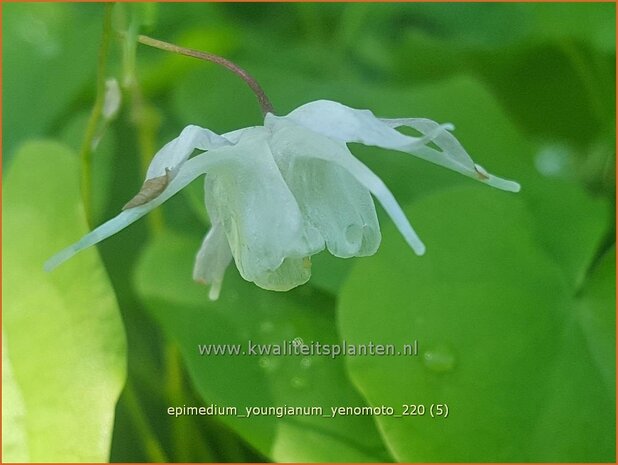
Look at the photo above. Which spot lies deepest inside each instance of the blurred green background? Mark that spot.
(513, 305)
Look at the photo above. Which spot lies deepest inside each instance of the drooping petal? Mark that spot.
(451, 154)
(178, 150)
(187, 173)
(291, 273)
(261, 218)
(330, 198)
(347, 124)
(212, 260)
(167, 161)
(337, 153)
(234, 136)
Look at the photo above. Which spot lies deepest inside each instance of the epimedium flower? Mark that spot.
(279, 193)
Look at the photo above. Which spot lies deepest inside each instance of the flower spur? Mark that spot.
(279, 193)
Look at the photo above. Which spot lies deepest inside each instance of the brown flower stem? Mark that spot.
(265, 104)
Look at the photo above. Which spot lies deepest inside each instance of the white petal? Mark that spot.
(212, 260)
(187, 173)
(346, 124)
(262, 221)
(291, 273)
(451, 154)
(338, 153)
(375, 185)
(178, 150)
(234, 136)
(330, 198)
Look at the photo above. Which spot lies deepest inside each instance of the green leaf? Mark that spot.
(44, 40)
(496, 25)
(500, 339)
(63, 333)
(72, 134)
(574, 41)
(596, 305)
(557, 206)
(14, 442)
(246, 313)
(590, 22)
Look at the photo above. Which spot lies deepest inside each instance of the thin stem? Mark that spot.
(589, 81)
(181, 434)
(90, 136)
(143, 116)
(152, 448)
(265, 104)
(146, 120)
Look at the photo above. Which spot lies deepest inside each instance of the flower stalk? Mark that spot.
(90, 136)
(263, 100)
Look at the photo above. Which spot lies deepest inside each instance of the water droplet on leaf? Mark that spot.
(439, 359)
(267, 326)
(268, 364)
(298, 383)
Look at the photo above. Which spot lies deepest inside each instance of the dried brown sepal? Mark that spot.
(481, 174)
(151, 189)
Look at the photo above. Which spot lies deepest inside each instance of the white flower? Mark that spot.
(279, 193)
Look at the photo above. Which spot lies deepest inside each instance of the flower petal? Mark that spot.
(330, 198)
(187, 173)
(291, 273)
(336, 152)
(167, 161)
(262, 221)
(212, 260)
(347, 124)
(177, 151)
(234, 136)
(451, 154)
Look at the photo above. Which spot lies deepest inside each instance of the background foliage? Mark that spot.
(513, 305)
